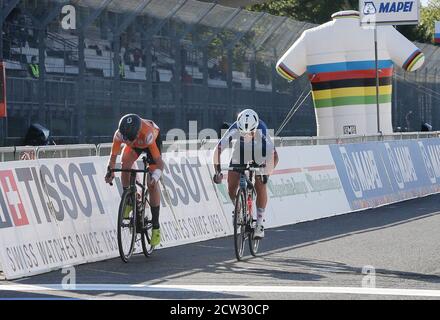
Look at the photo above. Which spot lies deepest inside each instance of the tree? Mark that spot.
(314, 11)
(429, 15)
(319, 11)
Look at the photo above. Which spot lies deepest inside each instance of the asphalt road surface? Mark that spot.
(386, 253)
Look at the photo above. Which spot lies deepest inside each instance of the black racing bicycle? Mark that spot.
(244, 210)
(134, 221)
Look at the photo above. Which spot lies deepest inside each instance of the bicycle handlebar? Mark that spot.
(248, 167)
(252, 169)
(132, 171)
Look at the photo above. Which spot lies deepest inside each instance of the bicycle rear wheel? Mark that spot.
(239, 224)
(127, 225)
(147, 248)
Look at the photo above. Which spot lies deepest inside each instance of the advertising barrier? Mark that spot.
(57, 213)
(379, 173)
(52, 216)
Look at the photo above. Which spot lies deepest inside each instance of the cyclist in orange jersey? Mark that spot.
(140, 136)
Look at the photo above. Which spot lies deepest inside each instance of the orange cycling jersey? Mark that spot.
(145, 139)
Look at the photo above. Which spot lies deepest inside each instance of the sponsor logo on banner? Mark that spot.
(13, 206)
(363, 173)
(375, 174)
(430, 150)
(396, 6)
(52, 215)
(389, 12)
(70, 193)
(402, 165)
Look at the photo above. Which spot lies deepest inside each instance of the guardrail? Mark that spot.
(16, 153)
(103, 149)
(66, 151)
(304, 141)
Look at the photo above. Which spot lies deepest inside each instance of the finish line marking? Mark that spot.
(222, 289)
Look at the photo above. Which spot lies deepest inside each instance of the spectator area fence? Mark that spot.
(103, 149)
(174, 61)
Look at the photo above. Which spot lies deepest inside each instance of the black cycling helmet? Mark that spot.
(129, 126)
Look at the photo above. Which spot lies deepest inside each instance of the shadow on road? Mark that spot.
(213, 262)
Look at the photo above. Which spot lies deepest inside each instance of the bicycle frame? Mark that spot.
(247, 185)
(134, 183)
(140, 225)
(244, 229)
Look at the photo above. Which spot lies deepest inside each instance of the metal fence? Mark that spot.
(169, 60)
(104, 149)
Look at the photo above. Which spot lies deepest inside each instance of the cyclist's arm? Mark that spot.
(272, 163)
(116, 149)
(221, 145)
(273, 159)
(216, 158)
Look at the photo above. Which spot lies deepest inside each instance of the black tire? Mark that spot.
(146, 234)
(126, 227)
(254, 244)
(239, 227)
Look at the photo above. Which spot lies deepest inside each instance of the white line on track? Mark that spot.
(224, 289)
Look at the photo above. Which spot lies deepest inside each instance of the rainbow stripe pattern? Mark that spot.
(284, 71)
(350, 83)
(412, 60)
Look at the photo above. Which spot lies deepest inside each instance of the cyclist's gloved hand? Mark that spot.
(155, 177)
(261, 165)
(109, 176)
(218, 177)
(264, 179)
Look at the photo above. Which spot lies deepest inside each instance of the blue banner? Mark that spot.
(379, 173)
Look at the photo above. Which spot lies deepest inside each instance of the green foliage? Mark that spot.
(315, 11)
(319, 11)
(429, 15)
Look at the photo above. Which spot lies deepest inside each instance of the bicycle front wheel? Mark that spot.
(254, 244)
(239, 224)
(127, 225)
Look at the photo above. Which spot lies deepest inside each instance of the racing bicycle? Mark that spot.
(245, 210)
(134, 221)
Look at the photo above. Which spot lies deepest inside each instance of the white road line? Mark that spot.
(225, 289)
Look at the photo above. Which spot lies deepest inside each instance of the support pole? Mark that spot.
(377, 79)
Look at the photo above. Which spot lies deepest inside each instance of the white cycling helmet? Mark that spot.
(247, 121)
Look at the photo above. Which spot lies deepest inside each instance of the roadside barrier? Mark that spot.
(59, 212)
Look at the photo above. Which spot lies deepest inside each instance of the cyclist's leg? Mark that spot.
(261, 190)
(154, 195)
(233, 182)
(129, 156)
